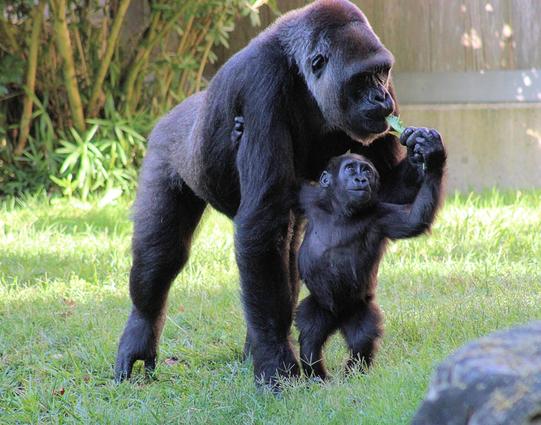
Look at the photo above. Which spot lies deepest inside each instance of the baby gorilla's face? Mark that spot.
(352, 181)
(357, 182)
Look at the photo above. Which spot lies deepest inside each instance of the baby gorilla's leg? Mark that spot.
(315, 325)
(362, 331)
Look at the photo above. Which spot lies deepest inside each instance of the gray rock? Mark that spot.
(495, 380)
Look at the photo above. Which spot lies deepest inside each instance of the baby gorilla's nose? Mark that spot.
(361, 182)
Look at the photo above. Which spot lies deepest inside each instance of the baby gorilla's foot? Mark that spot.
(314, 368)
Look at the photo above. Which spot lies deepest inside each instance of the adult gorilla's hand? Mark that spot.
(425, 148)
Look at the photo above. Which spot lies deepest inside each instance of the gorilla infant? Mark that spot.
(347, 231)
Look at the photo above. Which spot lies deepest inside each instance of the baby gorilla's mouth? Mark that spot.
(360, 194)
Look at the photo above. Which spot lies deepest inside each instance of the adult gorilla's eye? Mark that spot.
(318, 63)
(382, 76)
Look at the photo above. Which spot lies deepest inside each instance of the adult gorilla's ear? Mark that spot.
(325, 179)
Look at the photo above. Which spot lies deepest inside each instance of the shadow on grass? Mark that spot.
(38, 268)
(73, 221)
(73, 328)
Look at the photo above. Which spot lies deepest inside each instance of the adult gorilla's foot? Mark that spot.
(272, 363)
(138, 342)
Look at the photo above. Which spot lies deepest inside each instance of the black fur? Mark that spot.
(345, 239)
(298, 113)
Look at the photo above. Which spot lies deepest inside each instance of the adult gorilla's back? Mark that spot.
(313, 85)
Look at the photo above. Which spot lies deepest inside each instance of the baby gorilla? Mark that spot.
(345, 239)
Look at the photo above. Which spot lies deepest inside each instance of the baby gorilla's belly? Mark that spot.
(337, 280)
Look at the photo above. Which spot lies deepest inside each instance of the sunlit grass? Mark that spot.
(63, 302)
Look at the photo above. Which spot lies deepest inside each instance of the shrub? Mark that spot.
(74, 79)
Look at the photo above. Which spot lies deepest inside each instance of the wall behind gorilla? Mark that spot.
(472, 69)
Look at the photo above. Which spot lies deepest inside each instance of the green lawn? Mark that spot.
(64, 300)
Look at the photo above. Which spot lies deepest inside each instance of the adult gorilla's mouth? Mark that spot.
(366, 130)
(376, 126)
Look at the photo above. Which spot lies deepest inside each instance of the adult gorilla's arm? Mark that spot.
(401, 179)
(267, 182)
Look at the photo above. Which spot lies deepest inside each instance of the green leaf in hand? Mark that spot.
(396, 124)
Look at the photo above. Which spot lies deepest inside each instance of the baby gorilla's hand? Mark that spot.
(238, 130)
(425, 148)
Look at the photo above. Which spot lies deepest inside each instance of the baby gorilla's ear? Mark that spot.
(325, 179)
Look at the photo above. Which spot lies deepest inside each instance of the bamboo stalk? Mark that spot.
(9, 36)
(137, 61)
(93, 104)
(199, 76)
(153, 39)
(65, 50)
(168, 78)
(184, 38)
(203, 33)
(185, 87)
(80, 50)
(180, 91)
(26, 117)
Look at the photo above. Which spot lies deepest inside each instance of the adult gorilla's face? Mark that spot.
(348, 72)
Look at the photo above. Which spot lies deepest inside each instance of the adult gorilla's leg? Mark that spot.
(315, 326)
(165, 217)
(362, 331)
(263, 261)
(295, 239)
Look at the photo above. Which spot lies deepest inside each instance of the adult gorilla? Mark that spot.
(313, 85)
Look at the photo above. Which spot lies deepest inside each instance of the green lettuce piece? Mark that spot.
(396, 124)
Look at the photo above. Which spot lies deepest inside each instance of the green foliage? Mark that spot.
(147, 72)
(11, 73)
(64, 300)
(29, 172)
(396, 124)
(104, 158)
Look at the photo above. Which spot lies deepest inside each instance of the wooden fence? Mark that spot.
(470, 68)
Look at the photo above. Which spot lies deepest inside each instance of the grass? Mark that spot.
(64, 300)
